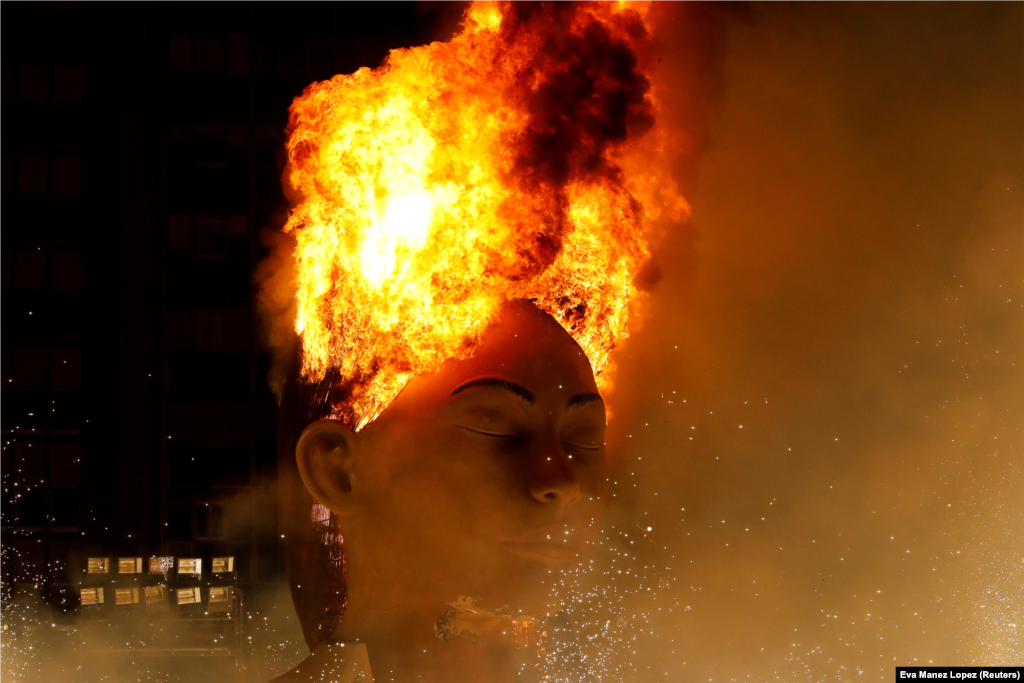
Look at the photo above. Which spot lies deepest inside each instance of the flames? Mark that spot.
(517, 160)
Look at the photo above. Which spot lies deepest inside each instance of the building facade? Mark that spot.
(142, 149)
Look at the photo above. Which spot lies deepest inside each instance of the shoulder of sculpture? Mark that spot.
(337, 662)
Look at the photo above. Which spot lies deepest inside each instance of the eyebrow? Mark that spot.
(580, 399)
(517, 389)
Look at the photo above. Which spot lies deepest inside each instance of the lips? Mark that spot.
(550, 544)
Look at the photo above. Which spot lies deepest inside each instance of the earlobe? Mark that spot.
(325, 454)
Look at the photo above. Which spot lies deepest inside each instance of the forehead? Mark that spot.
(525, 346)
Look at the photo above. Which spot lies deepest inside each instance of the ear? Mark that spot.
(325, 454)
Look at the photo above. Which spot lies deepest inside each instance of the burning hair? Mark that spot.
(464, 174)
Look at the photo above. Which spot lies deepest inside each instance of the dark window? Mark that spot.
(5, 268)
(32, 507)
(30, 367)
(209, 372)
(179, 173)
(66, 315)
(29, 314)
(220, 466)
(208, 188)
(66, 367)
(65, 507)
(68, 129)
(7, 85)
(66, 270)
(33, 83)
(65, 463)
(6, 173)
(33, 410)
(180, 57)
(179, 232)
(209, 102)
(8, 414)
(268, 187)
(67, 176)
(209, 147)
(238, 143)
(32, 176)
(238, 191)
(210, 237)
(179, 522)
(209, 520)
(236, 100)
(30, 459)
(180, 464)
(67, 410)
(238, 55)
(31, 269)
(67, 83)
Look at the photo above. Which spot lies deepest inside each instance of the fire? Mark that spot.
(516, 160)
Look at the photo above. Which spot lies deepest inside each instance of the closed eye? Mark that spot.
(591, 447)
(485, 432)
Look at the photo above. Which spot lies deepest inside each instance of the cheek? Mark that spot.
(442, 489)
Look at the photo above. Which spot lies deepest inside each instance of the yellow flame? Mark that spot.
(414, 222)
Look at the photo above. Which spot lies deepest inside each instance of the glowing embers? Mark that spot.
(464, 618)
(223, 565)
(188, 596)
(126, 596)
(190, 566)
(129, 565)
(161, 565)
(91, 596)
(99, 565)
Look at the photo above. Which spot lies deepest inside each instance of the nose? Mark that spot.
(554, 482)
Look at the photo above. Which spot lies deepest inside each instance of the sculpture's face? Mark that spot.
(481, 479)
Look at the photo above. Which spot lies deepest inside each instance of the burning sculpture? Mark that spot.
(471, 230)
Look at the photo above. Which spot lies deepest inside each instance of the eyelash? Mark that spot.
(585, 448)
(510, 436)
(494, 434)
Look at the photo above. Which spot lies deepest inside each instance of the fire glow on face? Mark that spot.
(519, 160)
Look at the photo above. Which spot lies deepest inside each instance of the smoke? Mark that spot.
(821, 420)
(41, 640)
(275, 301)
(826, 402)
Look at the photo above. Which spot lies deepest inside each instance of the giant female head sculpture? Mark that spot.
(470, 229)
(479, 480)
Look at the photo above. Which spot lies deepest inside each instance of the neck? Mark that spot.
(402, 644)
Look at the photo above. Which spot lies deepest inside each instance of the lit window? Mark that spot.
(156, 596)
(190, 566)
(99, 565)
(222, 598)
(161, 565)
(223, 565)
(129, 565)
(188, 596)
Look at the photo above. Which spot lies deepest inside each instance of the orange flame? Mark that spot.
(463, 174)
